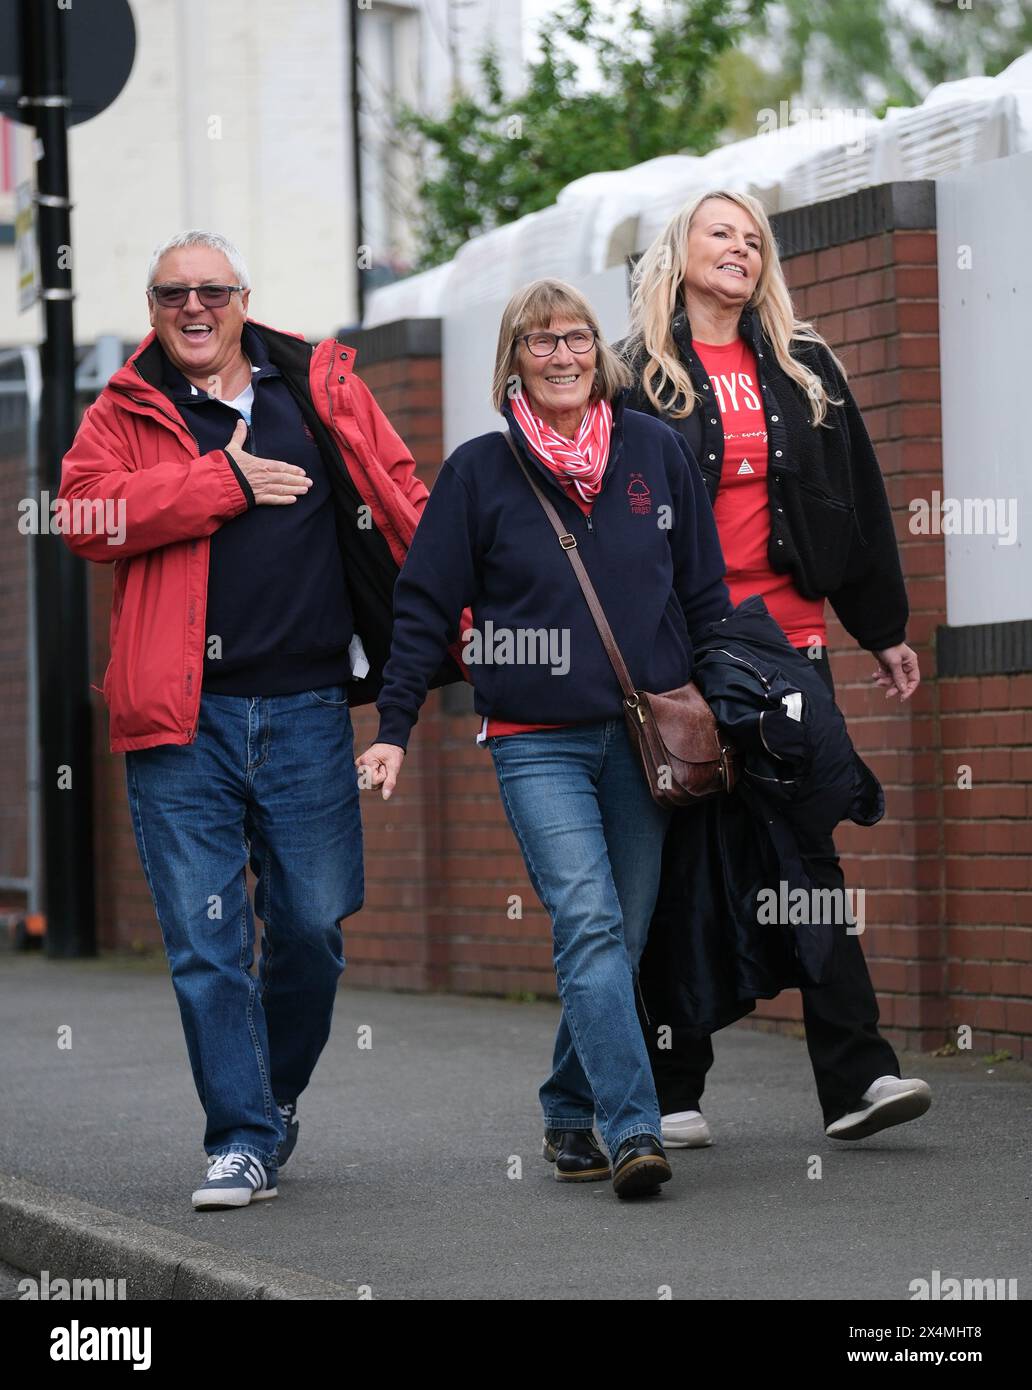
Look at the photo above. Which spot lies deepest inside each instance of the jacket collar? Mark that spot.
(139, 385)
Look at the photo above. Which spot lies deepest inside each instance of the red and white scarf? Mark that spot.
(581, 461)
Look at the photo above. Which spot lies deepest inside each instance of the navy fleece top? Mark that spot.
(650, 548)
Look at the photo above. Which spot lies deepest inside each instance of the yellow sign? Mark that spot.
(27, 256)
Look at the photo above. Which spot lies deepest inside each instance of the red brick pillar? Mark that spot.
(387, 943)
(986, 758)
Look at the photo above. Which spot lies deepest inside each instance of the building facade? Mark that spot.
(238, 117)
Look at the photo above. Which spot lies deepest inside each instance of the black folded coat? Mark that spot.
(721, 936)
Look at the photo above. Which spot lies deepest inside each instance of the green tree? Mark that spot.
(495, 158)
(891, 52)
(681, 79)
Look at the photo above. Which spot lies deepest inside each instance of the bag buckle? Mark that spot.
(568, 542)
(726, 767)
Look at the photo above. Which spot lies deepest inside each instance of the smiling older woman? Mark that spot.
(573, 789)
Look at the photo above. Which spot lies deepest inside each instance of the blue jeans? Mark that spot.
(592, 840)
(270, 779)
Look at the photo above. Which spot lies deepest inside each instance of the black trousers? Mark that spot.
(841, 1016)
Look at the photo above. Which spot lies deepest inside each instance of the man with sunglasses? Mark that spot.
(268, 507)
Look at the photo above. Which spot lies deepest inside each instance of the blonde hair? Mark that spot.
(535, 306)
(656, 287)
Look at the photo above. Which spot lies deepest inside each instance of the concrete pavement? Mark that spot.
(403, 1183)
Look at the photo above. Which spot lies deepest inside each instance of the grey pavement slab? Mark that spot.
(403, 1185)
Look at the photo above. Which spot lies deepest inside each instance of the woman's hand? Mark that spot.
(898, 672)
(381, 763)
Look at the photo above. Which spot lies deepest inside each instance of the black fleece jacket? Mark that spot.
(831, 524)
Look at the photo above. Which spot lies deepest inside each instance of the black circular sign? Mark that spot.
(99, 48)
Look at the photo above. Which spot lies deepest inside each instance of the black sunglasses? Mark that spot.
(175, 296)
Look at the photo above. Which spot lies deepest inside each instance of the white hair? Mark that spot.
(210, 239)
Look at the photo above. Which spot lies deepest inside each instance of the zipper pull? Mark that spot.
(587, 518)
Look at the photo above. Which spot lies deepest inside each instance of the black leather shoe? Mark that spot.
(640, 1166)
(576, 1156)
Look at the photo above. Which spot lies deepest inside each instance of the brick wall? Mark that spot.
(986, 726)
(125, 913)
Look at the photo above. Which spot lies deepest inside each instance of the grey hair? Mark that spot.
(214, 241)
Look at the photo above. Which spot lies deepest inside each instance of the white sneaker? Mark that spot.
(234, 1180)
(887, 1101)
(686, 1129)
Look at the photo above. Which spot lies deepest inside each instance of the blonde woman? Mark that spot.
(573, 790)
(800, 505)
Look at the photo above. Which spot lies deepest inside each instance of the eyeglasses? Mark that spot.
(578, 340)
(175, 296)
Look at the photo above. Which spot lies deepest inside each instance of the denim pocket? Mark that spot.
(333, 695)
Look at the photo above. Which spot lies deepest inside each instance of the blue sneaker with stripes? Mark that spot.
(234, 1180)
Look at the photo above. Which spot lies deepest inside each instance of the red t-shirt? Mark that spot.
(741, 509)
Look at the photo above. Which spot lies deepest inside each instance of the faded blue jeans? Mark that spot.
(270, 779)
(592, 840)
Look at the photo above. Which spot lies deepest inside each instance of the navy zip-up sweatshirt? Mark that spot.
(650, 547)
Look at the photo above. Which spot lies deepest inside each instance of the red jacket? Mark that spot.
(133, 445)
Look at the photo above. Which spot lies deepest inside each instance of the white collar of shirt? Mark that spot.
(242, 404)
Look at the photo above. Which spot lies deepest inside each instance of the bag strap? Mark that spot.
(569, 544)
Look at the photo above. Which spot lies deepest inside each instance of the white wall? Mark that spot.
(270, 81)
(985, 290)
(470, 341)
